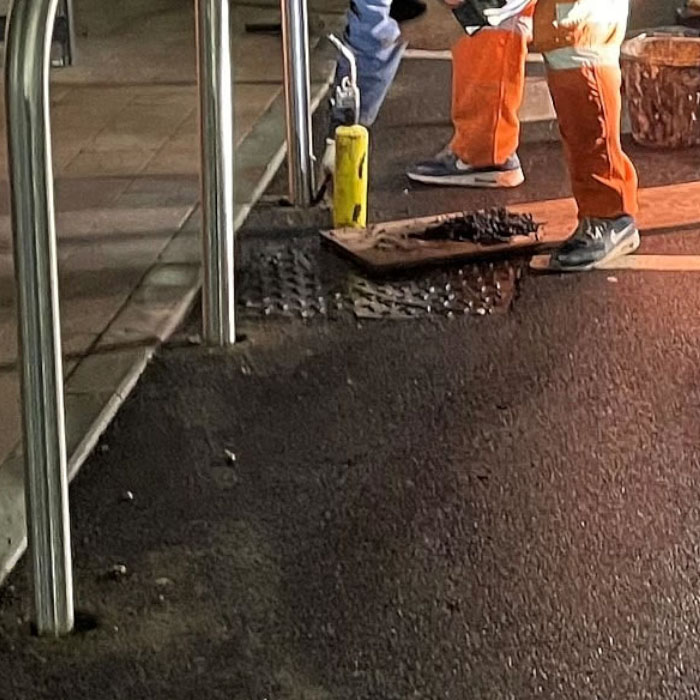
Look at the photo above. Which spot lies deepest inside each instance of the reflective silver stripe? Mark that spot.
(612, 12)
(571, 58)
(563, 10)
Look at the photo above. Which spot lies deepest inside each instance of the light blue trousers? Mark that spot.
(375, 39)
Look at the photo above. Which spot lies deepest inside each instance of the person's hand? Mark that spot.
(453, 3)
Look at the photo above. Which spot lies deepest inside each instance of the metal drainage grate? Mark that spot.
(284, 283)
(456, 291)
(288, 283)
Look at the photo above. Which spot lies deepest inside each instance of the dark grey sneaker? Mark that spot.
(448, 169)
(596, 242)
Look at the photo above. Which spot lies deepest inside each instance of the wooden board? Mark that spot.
(387, 246)
(650, 263)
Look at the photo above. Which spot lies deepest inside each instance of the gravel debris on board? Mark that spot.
(486, 227)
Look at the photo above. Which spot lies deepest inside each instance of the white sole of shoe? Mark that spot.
(485, 180)
(627, 247)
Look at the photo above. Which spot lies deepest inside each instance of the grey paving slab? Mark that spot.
(155, 216)
(75, 194)
(164, 283)
(102, 371)
(91, 163)
(86, 318)
(81, 411)
(8, 343)
(12, 523)
(7, 278)
(147, 317)
(9, 412)
(186, 248)
(261, 153)
(76, 343)
(158, 191)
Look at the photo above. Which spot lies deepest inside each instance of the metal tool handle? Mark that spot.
(346, 99)
(348, 55)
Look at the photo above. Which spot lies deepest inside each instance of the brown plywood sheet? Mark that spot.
(388, 245)
(649, 263)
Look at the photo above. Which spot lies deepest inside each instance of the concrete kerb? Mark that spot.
(93, 399)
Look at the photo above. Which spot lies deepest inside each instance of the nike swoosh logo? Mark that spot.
(617, 236)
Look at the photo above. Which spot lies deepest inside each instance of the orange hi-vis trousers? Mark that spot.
(580, 42)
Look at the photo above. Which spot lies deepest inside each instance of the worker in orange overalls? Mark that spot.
(580, 41)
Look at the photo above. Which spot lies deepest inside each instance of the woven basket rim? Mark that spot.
(628, 53)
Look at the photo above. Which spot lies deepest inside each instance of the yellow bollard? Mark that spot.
(350, 182)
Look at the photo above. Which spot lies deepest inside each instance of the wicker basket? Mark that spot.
(661, 80)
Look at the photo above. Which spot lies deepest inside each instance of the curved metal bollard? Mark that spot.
(27, 63)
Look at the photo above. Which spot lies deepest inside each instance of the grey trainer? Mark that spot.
(596, 242)
(448, 169)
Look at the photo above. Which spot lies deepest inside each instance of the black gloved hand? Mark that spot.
(471, 12)
(406, 10)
